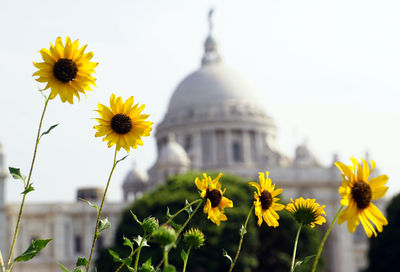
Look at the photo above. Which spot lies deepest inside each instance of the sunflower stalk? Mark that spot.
(321, 246)
(138, 254)
(180, 231)
(9, 262)
(186, 259)
(295, 247)
(96, 235)
(243, 232)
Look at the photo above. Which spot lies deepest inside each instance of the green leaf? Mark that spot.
(169, 268)
(176, 226)
(115, 256)
(242, 231)
(146, 266)
(16, 173)
(64, 268)
(81, 261)
(142, 240)
(90, 204)
(103, 225)
(135, 218)
(226, 255)
(48, 131)
(33, 250)
(79, 269)
(189, 209)
(168, 213)
(306, 260)
(127, 242)
(29, 189)
(120, 160)
(184, 255)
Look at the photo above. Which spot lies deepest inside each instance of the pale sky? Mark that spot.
(328, 73)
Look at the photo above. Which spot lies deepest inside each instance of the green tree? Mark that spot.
(384, 250)
(263, 248)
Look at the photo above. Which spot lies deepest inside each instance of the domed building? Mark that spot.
(216, 121)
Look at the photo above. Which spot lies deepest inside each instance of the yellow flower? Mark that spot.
(216, 202)
(66, 69)
(357, 194)
(122, 124)
(307, 211)
(265, 204)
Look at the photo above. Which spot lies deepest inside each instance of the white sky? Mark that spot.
(328, 72)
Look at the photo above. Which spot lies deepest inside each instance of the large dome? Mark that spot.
(213, 83)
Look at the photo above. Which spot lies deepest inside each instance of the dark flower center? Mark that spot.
(121, 123)
(215, 197)
(362, 194)
(266, 200)
(65, 70)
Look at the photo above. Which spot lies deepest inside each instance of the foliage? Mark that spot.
(384, 250)
(263, 248)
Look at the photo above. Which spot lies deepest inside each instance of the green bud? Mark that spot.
(165, 235)
(194, 238)
(149, 225)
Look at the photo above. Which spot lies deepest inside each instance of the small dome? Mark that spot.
(135, 177)
(304, 157)
(212, 84)
(173, 154)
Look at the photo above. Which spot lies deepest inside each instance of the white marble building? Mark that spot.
(215, 121)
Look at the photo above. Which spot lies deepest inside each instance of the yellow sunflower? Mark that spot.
(122, 124)
(216, 202)
(67, 69)
(357, 194)
(265, 201)
(307, 211)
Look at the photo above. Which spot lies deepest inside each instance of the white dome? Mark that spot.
(212, 84)
(173, 154)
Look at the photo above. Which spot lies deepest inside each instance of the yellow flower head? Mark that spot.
(265, 201)
(216, 202)
(66, 69)
(122, 124)
(357, 193)
(307, 211)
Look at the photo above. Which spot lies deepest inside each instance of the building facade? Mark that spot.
(215, 121)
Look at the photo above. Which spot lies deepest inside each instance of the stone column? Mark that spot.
(196, 151)
(228, 139)
(246, 147)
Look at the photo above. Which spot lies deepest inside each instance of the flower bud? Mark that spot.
(194, 238)
(149, 225)
(165, 235)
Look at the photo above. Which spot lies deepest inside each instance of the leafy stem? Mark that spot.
(186, 259)
(95, 235)
(321, 246)
(138, 253)
(26, 187)
(295, 248)
(243, 232)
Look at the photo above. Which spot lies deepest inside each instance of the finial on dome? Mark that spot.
(211, 54)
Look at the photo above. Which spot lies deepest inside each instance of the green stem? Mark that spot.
(95, 236)
(295, 248)
(138, 254)
(321, 246)
(1, 262)
(183, 227)
(186, 260)
(181, 210)
(130, 256)
(241, 240)
(166, 251)
(27, 186)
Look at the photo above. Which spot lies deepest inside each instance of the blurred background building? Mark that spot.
(214, 121)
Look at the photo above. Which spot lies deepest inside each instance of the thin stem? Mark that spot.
(27, 185)
(95, 236)
(295, 248)
(1, 262)
(130, 256)
(241, 239)
(181, 210)
(138, 254)
(166, 251)
(186, 260)
(321, 246)
(182, 228)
